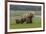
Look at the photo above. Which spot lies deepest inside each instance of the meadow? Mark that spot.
(35, 24)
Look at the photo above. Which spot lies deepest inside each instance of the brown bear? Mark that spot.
(25, 18)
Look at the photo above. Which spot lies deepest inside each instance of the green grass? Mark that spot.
(36, 23)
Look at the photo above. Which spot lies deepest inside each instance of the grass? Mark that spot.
(36, 23)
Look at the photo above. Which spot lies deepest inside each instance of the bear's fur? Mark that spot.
(22, 20)
(25, 18)
(29, 17)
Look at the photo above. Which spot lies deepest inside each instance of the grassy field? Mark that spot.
(36, 23)
(36, 20)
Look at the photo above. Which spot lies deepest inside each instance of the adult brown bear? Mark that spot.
(25, 18)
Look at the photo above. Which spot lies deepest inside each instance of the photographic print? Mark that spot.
(24, 17)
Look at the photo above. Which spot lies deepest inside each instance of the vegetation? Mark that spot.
(36, 23)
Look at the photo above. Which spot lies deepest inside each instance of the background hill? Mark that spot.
(25, 7)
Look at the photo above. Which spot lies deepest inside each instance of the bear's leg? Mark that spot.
(27, 20)
(17, 21)
(31, 20)
(22, 21)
